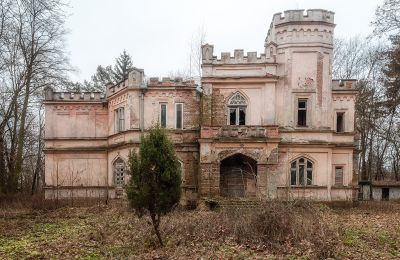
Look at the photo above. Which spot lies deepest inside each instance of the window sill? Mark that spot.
(302, 187)
(338, 187)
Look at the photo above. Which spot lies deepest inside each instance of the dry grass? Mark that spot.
(282, 230)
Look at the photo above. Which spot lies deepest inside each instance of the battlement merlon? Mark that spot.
(298, 16)
(238, 57)
(342, 85)
(65, 96)
(313, 22)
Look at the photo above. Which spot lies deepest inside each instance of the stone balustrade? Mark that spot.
(239, 132)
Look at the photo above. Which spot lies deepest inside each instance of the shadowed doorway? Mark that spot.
(238, 176)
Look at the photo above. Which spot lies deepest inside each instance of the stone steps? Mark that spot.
(233, 203)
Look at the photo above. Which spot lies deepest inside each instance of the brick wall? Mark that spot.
(218, 117)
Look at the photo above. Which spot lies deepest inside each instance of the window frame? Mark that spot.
(334, 175)
(298, 109)
(176, 115)
(160, 115)
(343, 130)
(119, 114)
(119, 183)
(237, 108)
(305, 182)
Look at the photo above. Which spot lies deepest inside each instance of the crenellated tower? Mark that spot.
(302, 43)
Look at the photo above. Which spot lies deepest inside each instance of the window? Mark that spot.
(339, 175)
(119, 172)
(340, 122)
(302, 112)
(385, 193)
(179, 116)
(163, 115)
(237, 110)
(182, 171)
(119, 120)
(301, 172)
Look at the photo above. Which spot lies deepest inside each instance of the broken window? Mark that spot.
(179, 116)
(237, 110)
(340, 122)
(119, 172)
(119, 120)
(163, 115)
(302, 112)
(301, 172)
(339, 175)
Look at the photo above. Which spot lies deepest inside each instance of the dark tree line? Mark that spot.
(375, 62)
(31, 58)
(107, 75)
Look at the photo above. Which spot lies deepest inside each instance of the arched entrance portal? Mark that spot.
(238, 176)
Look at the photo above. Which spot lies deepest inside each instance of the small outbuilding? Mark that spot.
(379, 190)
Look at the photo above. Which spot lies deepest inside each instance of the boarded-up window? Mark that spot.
(338, 175)
(119, 172)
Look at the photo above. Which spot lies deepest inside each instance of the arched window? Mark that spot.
(237, 109)
(119, 172)
(301, 172)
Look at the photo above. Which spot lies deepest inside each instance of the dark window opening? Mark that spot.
(163, 115)
(232, 116)
(385, 193)
(237, 116)
(179, 117)
(302, 113)
(237, 110)
(242, 116)
(339, 175)
(301, 172)
(340, 122)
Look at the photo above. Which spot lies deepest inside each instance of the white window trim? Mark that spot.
(237, 108)
(176, 113)
(166, 114)
(305, 173)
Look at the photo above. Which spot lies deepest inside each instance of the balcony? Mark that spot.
(239, 132)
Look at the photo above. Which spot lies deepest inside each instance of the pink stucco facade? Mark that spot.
(269, 125)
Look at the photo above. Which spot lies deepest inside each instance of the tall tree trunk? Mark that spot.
(21, 140)
(2, 166)
(156, 224)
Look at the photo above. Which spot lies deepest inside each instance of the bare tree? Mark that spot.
(387, 18)
(31, 58)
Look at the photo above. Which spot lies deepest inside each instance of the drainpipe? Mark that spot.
(143, 88)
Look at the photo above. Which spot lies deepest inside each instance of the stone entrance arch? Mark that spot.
(238, 176)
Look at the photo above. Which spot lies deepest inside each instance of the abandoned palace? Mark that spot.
(269, 125)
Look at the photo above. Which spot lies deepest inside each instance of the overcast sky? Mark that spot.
(157, 33)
